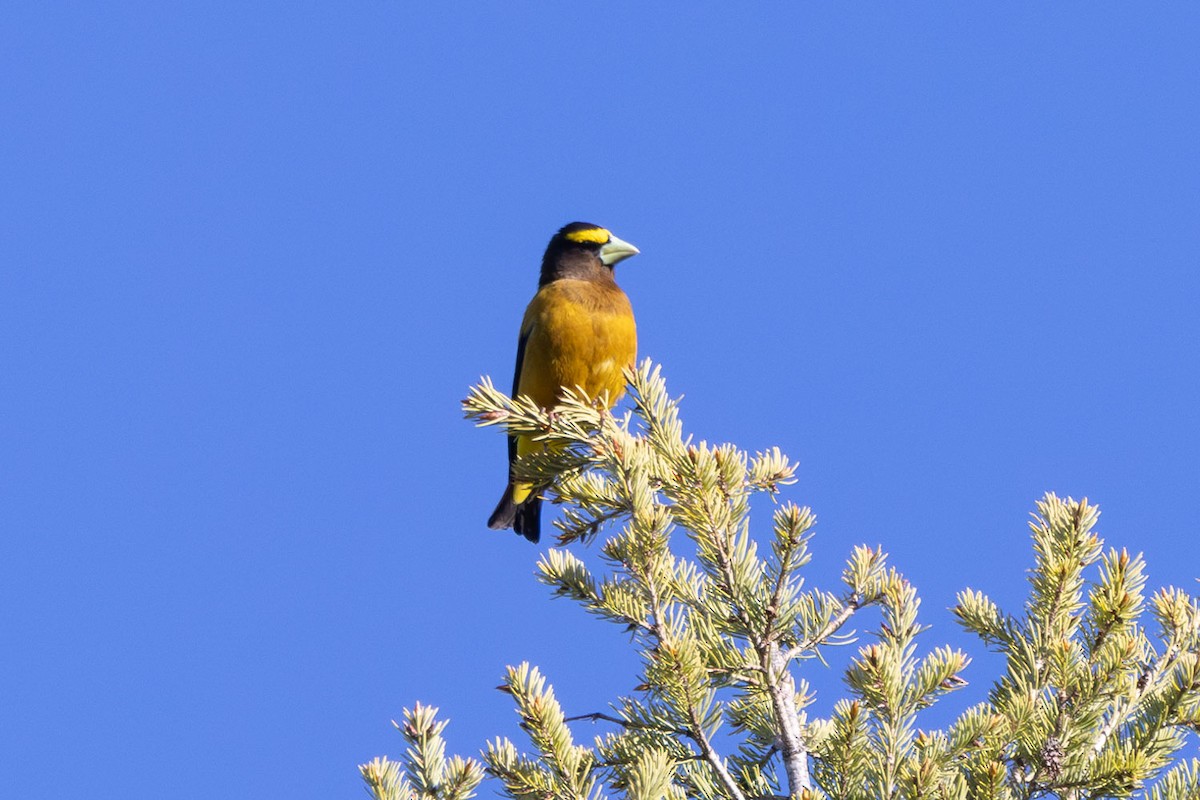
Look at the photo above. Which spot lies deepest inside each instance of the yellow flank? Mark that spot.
(521, 490)
(596, 235)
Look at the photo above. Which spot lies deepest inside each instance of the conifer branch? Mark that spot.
(790, 737)
(850, 605)
(696, 733)
(598, 716)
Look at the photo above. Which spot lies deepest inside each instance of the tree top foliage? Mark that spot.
(1100, 690)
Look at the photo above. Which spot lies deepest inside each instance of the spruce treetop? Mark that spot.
(1096, 700)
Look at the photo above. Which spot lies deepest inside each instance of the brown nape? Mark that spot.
(577, 264)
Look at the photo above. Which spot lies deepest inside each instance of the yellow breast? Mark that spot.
(580, 333)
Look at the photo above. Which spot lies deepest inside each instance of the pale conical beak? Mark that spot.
(616, 250)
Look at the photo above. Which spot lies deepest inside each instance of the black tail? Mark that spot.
(525, 519)
(529, 519)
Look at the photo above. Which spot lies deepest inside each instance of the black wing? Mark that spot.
(512, 440)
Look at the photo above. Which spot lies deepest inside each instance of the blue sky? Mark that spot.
(251, 258)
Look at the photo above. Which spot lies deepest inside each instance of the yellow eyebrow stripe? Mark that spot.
(594, 235)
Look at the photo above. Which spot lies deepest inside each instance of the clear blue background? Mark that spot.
(251, 258)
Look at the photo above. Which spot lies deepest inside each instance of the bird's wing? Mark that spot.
(516, 384)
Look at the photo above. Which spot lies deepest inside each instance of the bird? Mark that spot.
(577, 332)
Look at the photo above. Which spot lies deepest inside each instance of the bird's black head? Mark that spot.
(582, 250)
